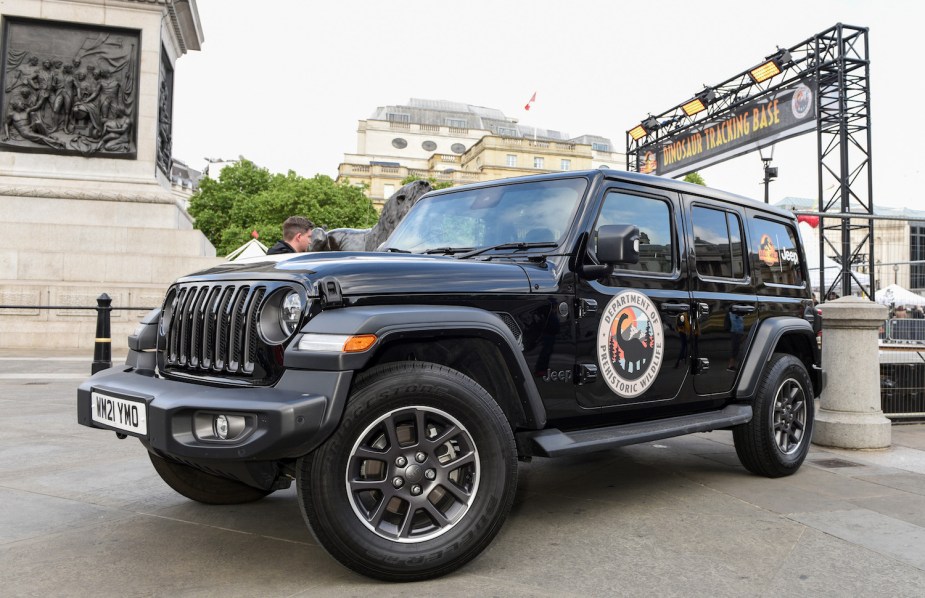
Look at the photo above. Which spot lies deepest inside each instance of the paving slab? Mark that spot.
(877, 532)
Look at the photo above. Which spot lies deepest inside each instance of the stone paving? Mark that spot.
(85, 514)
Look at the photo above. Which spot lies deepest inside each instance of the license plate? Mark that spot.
(129, 416)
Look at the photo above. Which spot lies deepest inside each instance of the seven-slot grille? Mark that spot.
(212, 328)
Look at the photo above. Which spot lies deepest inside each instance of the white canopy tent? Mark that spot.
(832, 269)
(252, 248)
(896, 295)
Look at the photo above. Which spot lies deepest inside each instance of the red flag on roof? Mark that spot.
(532, 99)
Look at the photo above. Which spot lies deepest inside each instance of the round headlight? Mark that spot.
(291, 312)
(280, 315)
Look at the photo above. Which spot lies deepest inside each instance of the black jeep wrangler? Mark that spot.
(538, 316)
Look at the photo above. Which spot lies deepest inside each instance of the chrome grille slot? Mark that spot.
(236, 329)
(196, 321)
(221, 329)
(185, 315)
(208, 334)
(250, 342)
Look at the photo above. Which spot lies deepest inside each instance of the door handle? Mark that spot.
(675, 308)
(742, 309)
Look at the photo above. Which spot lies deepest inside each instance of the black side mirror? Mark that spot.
(613, 244)
(618, 244)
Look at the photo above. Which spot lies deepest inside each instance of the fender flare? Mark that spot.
(767, 337)
(394, 322)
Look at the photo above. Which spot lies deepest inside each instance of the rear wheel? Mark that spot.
(417, 479)
(204, 487)
(775, 442)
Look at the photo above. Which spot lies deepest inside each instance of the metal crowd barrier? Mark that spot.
(902, 384)
(905, 330)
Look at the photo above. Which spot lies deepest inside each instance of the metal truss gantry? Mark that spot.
(836, 60)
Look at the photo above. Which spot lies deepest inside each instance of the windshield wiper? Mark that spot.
(395, 250)
(447, 250)
(518, 246)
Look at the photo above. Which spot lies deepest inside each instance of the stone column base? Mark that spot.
(850, 430)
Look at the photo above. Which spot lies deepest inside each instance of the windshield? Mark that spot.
(534, 212)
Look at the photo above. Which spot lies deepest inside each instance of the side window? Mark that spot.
(775, 252)
(718, 243)
(653, 217)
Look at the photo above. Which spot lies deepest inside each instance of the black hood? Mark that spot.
(381, 273)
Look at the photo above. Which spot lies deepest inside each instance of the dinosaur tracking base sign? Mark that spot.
(630, 343)
(781, 115)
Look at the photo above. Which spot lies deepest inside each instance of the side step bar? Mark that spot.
(556, 443)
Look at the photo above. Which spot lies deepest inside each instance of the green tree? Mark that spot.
(432, 180)
(247, 197)
(694, 177)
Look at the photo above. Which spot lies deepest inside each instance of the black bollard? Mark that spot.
(102, 349)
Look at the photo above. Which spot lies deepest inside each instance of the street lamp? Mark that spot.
(895, 273)
(770, 172)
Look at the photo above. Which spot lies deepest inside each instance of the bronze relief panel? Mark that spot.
(69, 89)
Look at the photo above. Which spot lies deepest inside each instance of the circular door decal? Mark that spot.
(630, 343)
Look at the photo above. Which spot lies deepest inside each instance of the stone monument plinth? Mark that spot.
(86, 201)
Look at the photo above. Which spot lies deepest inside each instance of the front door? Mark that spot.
(634, 326)
(723, 293)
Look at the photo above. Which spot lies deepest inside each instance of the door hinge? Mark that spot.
(587, 373)
(586, 307)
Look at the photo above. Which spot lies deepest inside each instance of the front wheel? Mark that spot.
(417, 479)
(776, 440)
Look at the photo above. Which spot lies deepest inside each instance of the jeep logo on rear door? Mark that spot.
(630, 343)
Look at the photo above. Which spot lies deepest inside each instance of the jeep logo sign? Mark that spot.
(630, 343)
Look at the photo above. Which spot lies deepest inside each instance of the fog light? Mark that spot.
(217, 427)
(220, 426)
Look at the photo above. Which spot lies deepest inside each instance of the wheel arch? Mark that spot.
(467, 339)
(790, 335)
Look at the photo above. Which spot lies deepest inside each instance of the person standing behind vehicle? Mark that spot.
(297, 236)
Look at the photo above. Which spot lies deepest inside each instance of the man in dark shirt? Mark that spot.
(297, 236)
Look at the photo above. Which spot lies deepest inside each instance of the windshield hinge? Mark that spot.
(330, 293)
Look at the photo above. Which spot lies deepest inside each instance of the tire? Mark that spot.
(204, 487)
(776, 440)
(396, 504)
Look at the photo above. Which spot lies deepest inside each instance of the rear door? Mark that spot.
(633, 326)
(723, 293)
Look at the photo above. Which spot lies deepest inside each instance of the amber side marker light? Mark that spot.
(359, 343)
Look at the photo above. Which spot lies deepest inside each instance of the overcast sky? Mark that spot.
(284, 82)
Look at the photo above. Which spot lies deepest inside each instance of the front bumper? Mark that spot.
(291, 418)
